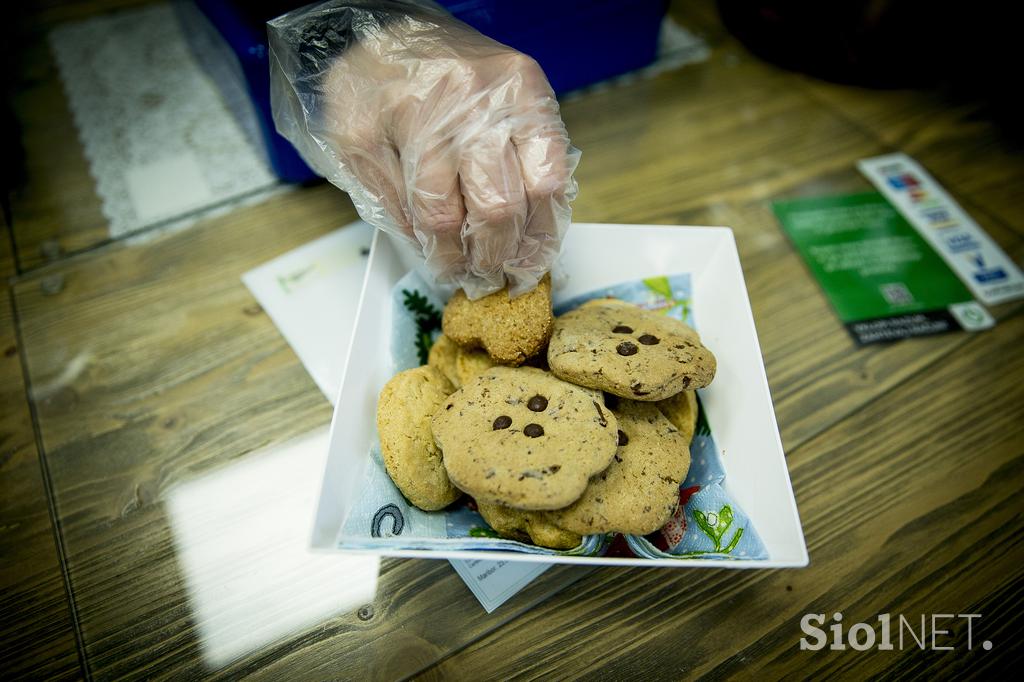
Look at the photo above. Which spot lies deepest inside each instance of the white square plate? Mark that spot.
(738, 405)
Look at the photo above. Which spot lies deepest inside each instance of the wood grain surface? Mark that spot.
(151, 365)
(899, 509)
(36, 629)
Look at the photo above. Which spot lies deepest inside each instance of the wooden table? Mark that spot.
(129, 368)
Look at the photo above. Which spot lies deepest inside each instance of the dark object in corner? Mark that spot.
(966, 48)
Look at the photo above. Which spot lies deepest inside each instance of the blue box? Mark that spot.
(577, 43)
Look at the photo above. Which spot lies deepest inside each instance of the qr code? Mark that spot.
(897, 293)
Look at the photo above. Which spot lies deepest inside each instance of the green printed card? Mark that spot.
(882, 278)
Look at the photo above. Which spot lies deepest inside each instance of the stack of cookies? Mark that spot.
(557, 427)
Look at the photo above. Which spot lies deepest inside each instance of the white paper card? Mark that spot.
(311, 294)
(494, 582)
(971, 253)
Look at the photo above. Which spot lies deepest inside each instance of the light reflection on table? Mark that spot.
(242, 540)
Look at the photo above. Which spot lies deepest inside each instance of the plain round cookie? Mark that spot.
(522, 438)
(411, 457)
(628, 351)
(639, 491)
(527, 526)
(456, 363)
(511, 330)
(681, 410)
(442, 356)
(471, 363)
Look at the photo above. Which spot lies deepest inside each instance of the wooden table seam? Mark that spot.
(51, 505)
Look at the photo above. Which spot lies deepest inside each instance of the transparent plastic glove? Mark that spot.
(439, 134)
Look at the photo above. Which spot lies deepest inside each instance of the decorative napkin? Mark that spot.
(709, 524)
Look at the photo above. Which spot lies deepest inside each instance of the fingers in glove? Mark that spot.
(379, 172)
(546, 164)
(435, 203)
(496, 207)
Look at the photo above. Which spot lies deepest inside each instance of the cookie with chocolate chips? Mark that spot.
(411, 457)
(511, 330)
(522, 438)
(527, 526)
(639, 490)
(628, 351)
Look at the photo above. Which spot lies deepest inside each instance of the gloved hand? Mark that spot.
(438, 133)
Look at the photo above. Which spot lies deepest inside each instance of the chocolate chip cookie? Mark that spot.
(511, 330)
(628, 351)
(640, 489)
(411, 457)
(527, 526)
(523, 438)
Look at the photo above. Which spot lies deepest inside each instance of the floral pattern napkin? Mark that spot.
(708, 524)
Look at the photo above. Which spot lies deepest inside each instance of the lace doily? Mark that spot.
(160, 142)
